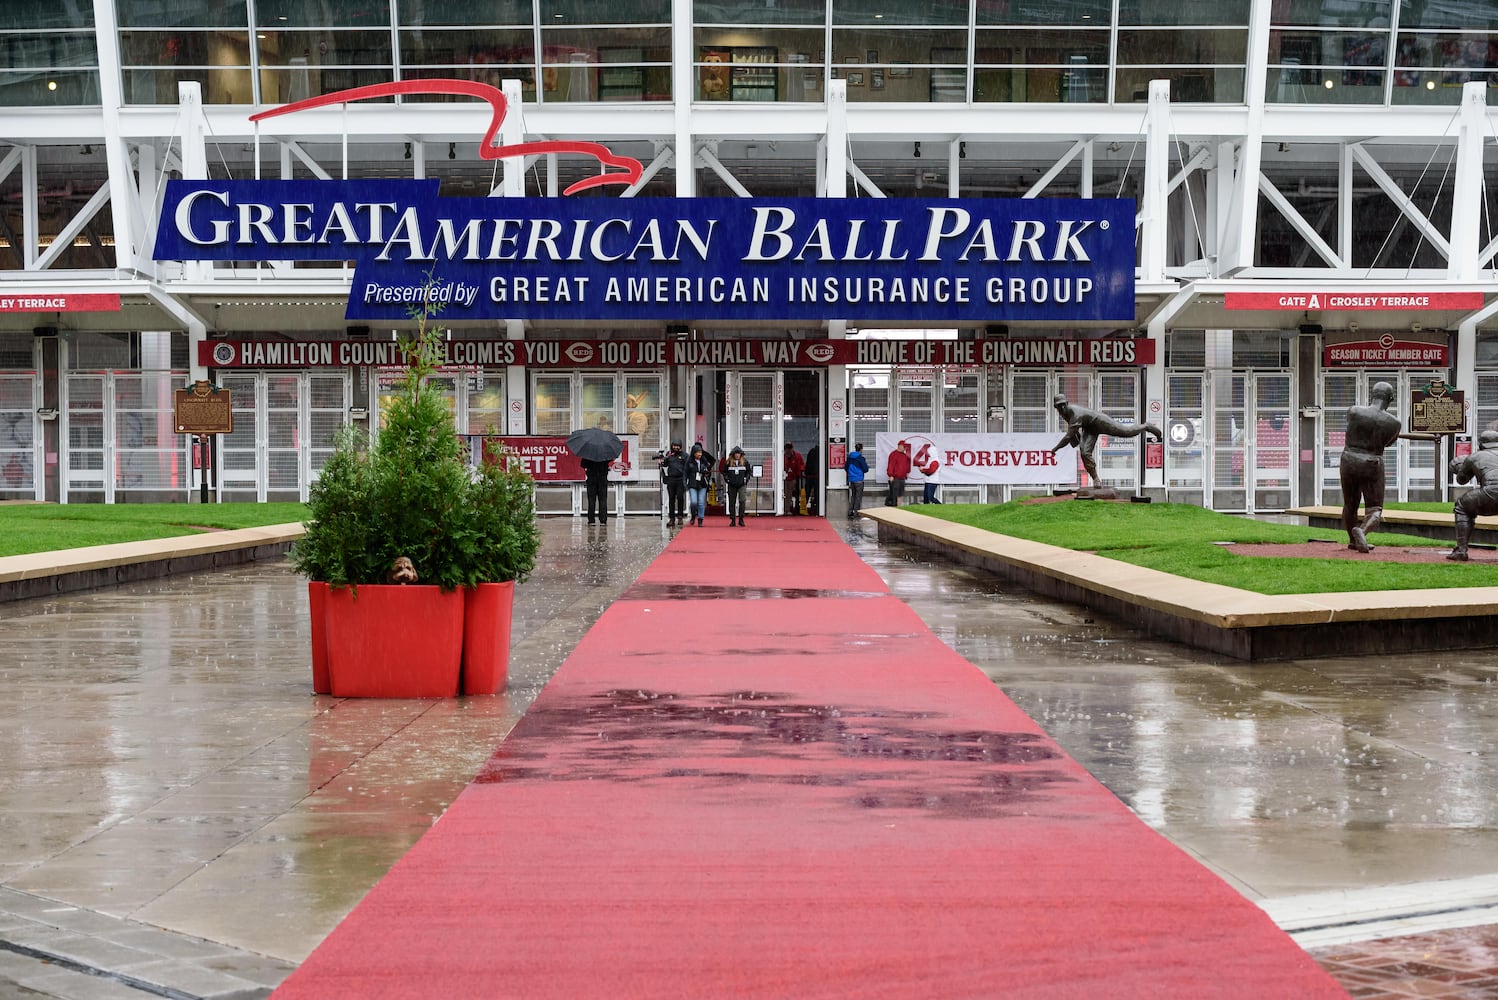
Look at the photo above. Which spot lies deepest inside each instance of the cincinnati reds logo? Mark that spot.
(921, 456)
(629, 174)
(580, 353)
(820, 353)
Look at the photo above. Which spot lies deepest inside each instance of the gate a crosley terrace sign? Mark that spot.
(931, 260)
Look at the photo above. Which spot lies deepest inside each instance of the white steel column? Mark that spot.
(122, 192)
(1154, 198)
(194, 156)
(1466, 197)
(682, 77)
(512, 132)
(837, 139)
(30, 212)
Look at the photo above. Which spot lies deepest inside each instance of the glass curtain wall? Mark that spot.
(1037, 51)
(1377, 52)
(48, 56)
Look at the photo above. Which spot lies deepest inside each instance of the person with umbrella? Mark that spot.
(596, 447)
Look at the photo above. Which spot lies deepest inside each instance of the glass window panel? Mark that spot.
(1086, 13)
(614, 12)
(427, 13)
(898, 12)
(320, 14)
(324, 48)
(1326, 86)
(782, 12)
(159, 86)
(34, 88)
(180, 14)
(1343, 14)
(1182, 47)
(478, 47)
(642, 410)
(1183, 13)
(1473, 15)
(1040, 47)
(42, 16)
(598, 402)
(185, 48)
(43, 50)
(1188, 85)
(862, 47)
(278, 86)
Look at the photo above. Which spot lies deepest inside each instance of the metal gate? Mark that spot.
(285, 426)
(755, 413)
(1410, 472)
(20, 395)
(1237, 424)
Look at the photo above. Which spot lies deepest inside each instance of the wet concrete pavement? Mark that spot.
(179, 813)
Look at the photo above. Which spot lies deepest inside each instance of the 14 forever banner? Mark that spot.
(929, 260)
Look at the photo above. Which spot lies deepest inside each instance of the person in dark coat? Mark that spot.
(596, 486)
(736, 475)
(699, 477)
(813, 478)
(793, 468)
(674, 471)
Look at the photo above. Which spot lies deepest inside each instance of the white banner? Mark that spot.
(966, 459)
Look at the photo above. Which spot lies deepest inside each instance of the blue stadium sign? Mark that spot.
(925, 260)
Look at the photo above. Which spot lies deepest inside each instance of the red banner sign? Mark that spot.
(1386, 352)
(1353, 301)
(1020, 353)
(548, 460)
(62, 302)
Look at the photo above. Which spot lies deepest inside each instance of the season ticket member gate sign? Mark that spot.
(933, 260)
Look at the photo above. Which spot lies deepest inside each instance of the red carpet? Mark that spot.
(760, 775)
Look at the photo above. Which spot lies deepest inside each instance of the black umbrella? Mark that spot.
(595, 444)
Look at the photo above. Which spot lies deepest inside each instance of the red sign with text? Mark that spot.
(1385, 352)
(62, 302)
(1353, 301)
(548, 460)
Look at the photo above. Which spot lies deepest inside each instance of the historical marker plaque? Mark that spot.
(1438, 409)
(202, 408)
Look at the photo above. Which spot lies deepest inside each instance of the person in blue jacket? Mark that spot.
(858, 469)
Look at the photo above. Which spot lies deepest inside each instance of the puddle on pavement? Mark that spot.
(886, 759)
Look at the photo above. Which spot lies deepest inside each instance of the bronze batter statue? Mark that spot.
(1084, 427)
(1370, 429)
(1481, 465)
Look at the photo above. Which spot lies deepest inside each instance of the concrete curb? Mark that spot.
(1237, 623)
(44, 574)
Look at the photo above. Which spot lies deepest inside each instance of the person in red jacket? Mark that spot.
(898, 470)
(794, 467)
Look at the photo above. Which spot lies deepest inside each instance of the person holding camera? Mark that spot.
(736, 475)
(674, 473)
(699, 476)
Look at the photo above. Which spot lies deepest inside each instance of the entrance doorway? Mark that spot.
(285, 424)
(1413, 470)
(761, 412)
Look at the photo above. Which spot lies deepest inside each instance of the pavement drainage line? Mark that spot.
(118, 977)
(1389, 918)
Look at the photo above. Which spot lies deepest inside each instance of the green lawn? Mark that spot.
(48, 527)
(1182, 539)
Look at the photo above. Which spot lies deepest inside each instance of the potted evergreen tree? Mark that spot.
(469, 533)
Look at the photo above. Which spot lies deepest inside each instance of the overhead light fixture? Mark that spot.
(452, 151)
(1114, 147)
(1284, 147)
(917, 151)
(408, 150)
(962, 150)
(1328, 84)
(86, 150)
(51, 84)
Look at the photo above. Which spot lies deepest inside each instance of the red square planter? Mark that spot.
(317, 607)
(486, 637)
(394, 641)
